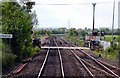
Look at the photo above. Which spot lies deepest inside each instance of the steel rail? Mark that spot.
(79, 59)
(106, 68)
(43, 65)
(61, 64)
(92, 66)
(108, 65)
(83, 64)
(98, 69)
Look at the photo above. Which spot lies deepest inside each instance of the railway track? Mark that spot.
(72, 68)
(64, 63)
(44, 71)
(46, 63)
(51, 65)
(51, 70)
(97, 64)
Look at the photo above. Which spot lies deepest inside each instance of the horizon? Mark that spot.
(70, 28)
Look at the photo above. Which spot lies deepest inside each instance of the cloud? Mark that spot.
(80, 15)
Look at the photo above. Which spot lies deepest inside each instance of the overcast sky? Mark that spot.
(77, 15)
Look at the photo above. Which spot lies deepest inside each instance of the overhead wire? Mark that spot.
(105, 2)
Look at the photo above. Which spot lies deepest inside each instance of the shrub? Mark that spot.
(82, 42)
(35, 50)
(8, 59)
(114, 46)
(110, 49)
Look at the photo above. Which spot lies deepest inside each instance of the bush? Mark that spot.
(110, 49)
(35, 50)
(8, 59)
(82, 42)
(114, 46)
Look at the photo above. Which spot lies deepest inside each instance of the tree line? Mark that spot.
(75, 32)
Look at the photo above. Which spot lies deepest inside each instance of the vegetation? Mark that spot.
(51, 31)
(43, 32)
(76, 36)
(72, 32)
(110, 53)
(35, 50)
(109, 38)
(17, 20)
(109, 31)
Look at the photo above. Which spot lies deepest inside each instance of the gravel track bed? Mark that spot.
(33, 67)
(90, 61)
(71, 65)
(52, 67)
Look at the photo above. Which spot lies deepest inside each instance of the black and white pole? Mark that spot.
(93, 15)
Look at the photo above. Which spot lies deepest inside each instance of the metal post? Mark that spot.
(93, 15)
(113, 21)
(119, 32)
(119, 56)
(119, 52)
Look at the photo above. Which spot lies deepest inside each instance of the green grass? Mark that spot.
(110, 53)
(58, 34)
(107, 55)
(109, 37)
(81, 42)
(75, 39)
(113, 54)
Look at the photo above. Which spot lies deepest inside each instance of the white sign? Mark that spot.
(6, 35)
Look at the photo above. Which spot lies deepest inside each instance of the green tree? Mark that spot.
(106, 30)
(62, 30)
(73, 32)
(17, 21)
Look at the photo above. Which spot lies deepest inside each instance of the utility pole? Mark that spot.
(93, 15)
(119, 32)
(113, 21)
